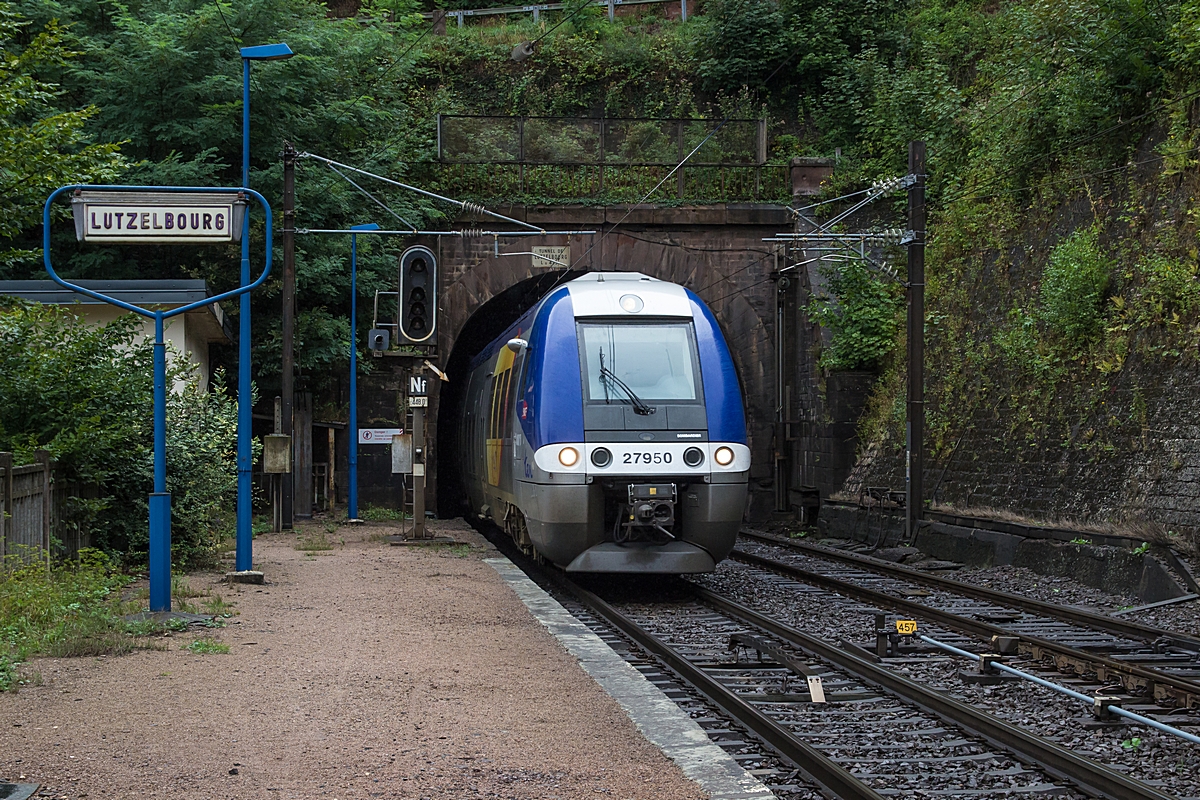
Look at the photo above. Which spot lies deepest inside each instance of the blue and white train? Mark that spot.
(604, 430)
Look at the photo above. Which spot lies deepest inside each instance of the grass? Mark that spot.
(79, 609)
(456, 550)
(74, 610)
(207, 646)
(380, 514)
(314, 541)
(218, 607)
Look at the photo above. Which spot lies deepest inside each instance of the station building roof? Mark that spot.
(144, 293)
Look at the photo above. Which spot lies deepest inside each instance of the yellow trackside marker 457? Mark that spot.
(906, 627)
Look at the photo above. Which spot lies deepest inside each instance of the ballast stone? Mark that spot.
(658, 718)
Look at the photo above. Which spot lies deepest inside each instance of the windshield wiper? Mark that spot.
(639, 405)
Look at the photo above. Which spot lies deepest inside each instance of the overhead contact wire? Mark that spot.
(377, 201)
(465, 205)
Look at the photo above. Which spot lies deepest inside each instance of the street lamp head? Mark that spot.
(370, 226)
(267, 52)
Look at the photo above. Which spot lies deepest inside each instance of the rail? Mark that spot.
(1134, 678)
(1095, 702)
(1056, 759)
(1077, 616)
(831, 776)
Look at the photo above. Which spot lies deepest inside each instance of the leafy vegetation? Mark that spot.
(382, 514)
(1062, 164)
(41, 146)
(206, 645)
(863, 313)
(72, 611)
(84, 393)
(84, 608)
(1073, 285)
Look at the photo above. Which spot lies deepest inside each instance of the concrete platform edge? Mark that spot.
(659, 719)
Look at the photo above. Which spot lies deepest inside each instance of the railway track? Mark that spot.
(1144, 661)
(876, 733)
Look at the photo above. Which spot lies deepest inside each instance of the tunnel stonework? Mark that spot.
(716, 251)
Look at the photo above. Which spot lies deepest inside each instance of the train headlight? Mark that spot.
(601, 457)
(632, 303)
(693, 456)
(723, 456)
(569, 456)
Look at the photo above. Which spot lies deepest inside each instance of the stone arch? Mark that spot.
(729, 267)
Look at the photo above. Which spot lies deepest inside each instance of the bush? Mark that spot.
(85, 394)
(863, 314)
(1073, 286)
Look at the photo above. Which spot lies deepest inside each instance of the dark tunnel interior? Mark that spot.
(483, 326)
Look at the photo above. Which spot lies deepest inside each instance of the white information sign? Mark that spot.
(551, 257)
(378, 435)
(158, 217)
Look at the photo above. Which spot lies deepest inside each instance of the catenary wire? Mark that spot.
(378, 202)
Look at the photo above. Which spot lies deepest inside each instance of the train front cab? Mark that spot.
(635, 438)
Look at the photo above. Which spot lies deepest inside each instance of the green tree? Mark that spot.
(41, 147)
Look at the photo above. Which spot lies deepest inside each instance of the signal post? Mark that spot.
(418, 401)
(416, 329)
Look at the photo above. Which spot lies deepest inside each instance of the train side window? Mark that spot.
(518, 370)
(492, 422)
(502, 406)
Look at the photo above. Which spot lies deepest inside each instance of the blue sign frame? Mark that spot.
(160, 499)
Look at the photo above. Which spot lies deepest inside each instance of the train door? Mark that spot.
(498, 414)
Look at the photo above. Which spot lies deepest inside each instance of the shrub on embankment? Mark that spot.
(1063, 303)
(85, 394)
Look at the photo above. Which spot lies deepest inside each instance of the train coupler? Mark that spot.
(650, 511)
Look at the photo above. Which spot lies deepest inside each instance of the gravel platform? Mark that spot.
(359, 672)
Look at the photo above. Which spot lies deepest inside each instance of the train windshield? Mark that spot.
(655, 362)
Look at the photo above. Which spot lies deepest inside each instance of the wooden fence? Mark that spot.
(37, 520)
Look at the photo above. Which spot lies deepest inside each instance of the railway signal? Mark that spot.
(418, 295)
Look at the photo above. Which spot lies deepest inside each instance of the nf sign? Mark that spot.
(417, 384)
(158, 217)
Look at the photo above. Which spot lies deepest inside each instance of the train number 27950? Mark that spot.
(647, 458)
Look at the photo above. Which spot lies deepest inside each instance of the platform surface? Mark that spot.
(362, 671)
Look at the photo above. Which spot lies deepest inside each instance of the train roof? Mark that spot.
(599, 294)
(605, 294)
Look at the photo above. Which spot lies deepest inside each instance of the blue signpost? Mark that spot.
(352, 492)
(140, 221)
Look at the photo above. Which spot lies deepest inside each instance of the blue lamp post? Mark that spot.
(352, 492)
(245, 559)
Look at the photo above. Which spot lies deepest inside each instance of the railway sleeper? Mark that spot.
(1164, 694)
